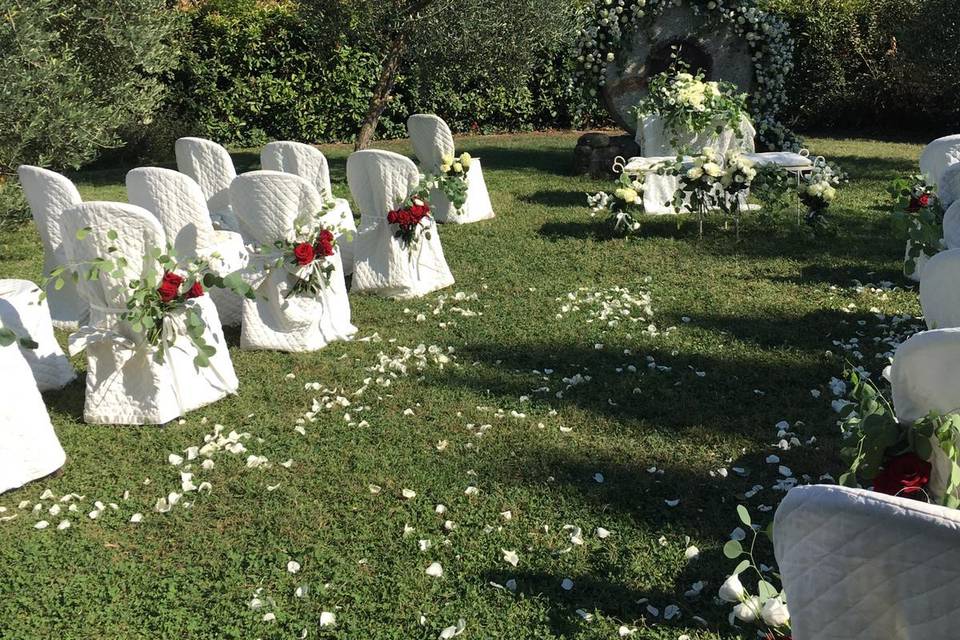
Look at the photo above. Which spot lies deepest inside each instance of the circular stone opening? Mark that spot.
(691, 52)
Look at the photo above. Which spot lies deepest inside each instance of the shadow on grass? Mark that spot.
(845, 275)
(697, 393)
(556, 198)
(872, 167)
(553, 161)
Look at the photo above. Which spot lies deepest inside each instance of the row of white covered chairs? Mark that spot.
(940, 163)
(860, 564)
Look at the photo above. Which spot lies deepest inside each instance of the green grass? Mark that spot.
(762, 316)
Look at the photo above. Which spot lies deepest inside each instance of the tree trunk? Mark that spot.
(382, 92)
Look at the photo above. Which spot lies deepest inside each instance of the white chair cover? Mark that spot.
(29, 448)
(22, 311)
(948, 189)
(309, 163)
(924, 378)
(938, 155)
(125, 383)
(432, 139)
(655, 140)
(951, 226)
(211, 166)
(178, 203)
(858, 565)
(268, 204)
(380, 181)
(49, 194)
(940, 291)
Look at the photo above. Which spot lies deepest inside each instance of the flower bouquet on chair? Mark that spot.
(452, 179)
(918, 214)
(158, 304)
(411, 221)
(309, 261)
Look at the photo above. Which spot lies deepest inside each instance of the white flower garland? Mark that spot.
(611, 23)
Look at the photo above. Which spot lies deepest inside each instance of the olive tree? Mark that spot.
(75, 74)
(415, 36)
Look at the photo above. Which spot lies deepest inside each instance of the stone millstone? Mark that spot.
(708, 45)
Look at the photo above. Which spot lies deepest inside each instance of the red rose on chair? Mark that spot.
(904, 475)
(195, 291)
(169, 288)
(324, 245)
(304, 253)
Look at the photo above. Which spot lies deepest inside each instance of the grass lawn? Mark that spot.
(744, 332)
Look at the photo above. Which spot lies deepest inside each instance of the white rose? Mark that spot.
(732, 589)
(457, 167)
(447, 159)
(466, 160)
(747, 610)
(695, 173)
(713, 170)
(775, 613)
(829, 194)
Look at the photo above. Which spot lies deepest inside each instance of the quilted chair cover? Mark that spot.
(432, 140)
(211, 166)
(940, 291)
(948, 189)
(951, 226)
(268, 205)
(859, 565)
(310, 164)
(178, 203)
(938, 155)
(22, 311)
(379, 181)
(923, 379)
(48, 194)
(29, 449)
(125, 383)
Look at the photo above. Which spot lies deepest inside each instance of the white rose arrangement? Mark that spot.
(624, 206)
(451, 178)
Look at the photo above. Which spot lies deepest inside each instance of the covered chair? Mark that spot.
(309, 163)
(938, 155)
(270, 207)
(29, 448)
(380, 181)
(49, 194)
(940, 291)
(432, 141)
(22, 311)
(867, 566)
(178, 203)
(923, 379)
(951, 226)
(210, 166)
(948, 189)
(127, 383)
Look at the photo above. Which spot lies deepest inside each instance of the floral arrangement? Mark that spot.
(412, 219)
(452, 178)
(771, 187)
(919, 214)
(893, 456)
(699, 184)
(624, 205)
(818, 189)
(687, 103)
(738, 175)
(158, 302)
(768, 609)
(610, 24)
(307, 260)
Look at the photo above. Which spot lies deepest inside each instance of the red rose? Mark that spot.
(924, 200)
(903, 475)
(195, 291)
(169, 288)
(324, 244)
(304, 253)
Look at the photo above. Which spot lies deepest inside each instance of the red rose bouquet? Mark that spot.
(918, 214)
(411, 221)
(159, 302)
(308, 260)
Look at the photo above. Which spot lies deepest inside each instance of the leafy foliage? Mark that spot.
(918, 214)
